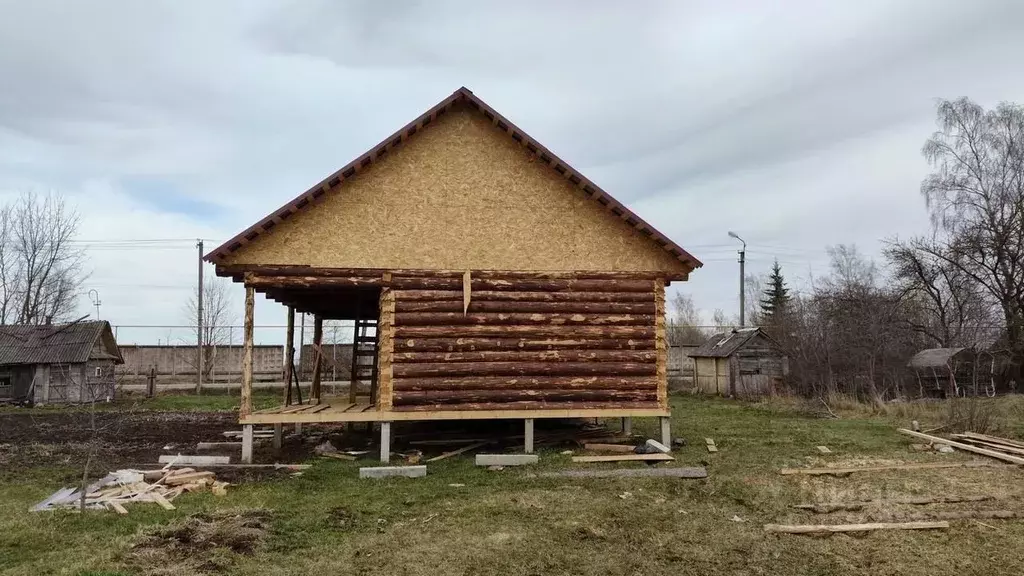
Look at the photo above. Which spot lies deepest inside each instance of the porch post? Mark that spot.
(289, 355)
(318, 336)
(246, 405)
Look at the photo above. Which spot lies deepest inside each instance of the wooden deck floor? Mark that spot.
(341, 410)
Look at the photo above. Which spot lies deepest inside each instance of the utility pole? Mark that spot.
(743, 260)
(199, 322)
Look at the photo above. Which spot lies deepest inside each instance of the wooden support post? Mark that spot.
(666, 431)
(247, 444)
(661, 342)
(355, 355)
(528, 435)
(289, 355)
(627, 426)
(278, 436)
(246, 404)
(150, 383)
(318, 336)
(385, 351)
(385, 442)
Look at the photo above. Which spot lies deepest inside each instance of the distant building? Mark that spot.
(949, 372)
(743, 362)
(68, 363)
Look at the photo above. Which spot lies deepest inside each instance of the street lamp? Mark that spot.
(94, 296)
(743, 259)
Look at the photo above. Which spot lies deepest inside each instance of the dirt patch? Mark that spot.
(122, 439)
(200, 543)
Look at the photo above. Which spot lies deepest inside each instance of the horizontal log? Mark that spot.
(528, 356)
(482, 344)
(456, 396)
(558, 285)
(411, 283)
(300, 270)
(523, 369)
(532, 405)
(520, 318)
(612, 332)
(528, 383)
(523, 296)
(311, 282)
(477, 305)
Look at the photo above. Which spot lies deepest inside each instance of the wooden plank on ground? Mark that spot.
(625, 458)
(829, 507)
(822, 528)
(597, 447)
(118, 507)
(995, 439)
(194, 459)
(629, 473)
(824, 450)
(922, 466)
(992, 445)
(55, 498)
(161, 501)
(187, 478)
(462, 450)
(966, 447)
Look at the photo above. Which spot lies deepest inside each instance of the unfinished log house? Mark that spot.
(487, 279)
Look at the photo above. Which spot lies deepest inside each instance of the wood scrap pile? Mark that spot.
(992, 446)
(122, 487)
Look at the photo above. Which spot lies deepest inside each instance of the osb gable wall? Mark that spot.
(459, 195)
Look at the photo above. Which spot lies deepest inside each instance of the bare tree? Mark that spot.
(682, 327)
(976, 201)
(218, 316)
(41, 268)
(946, 305)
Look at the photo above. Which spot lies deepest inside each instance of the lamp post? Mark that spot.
(94, 296)
(743, 260)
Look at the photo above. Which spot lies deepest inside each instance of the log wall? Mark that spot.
(526, 343)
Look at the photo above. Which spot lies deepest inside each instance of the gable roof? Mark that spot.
(933, 357)
(462, 95)
(723, 344)
(70, 343)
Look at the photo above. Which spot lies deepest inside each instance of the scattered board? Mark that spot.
(193, 459)
(624, 458)
(822, 528)
(629, 473)
(824, 449)
(965, 447)
(597, 447)
(711, 444)
(462, 450)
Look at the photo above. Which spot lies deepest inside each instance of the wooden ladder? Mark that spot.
(364, 357)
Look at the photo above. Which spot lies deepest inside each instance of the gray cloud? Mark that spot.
(799, 124)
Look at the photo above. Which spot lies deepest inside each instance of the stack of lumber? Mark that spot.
(131, 486)
(992, 446)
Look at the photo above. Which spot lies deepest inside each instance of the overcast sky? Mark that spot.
(797, 124)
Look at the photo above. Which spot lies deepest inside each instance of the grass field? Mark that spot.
(464, 520)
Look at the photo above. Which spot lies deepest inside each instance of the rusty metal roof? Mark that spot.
(56, 344)
(461, 96)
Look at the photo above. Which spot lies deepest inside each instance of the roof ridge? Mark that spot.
(333, 181)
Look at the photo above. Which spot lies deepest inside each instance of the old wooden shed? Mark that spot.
(58, 364)
(487, 278)
(743, 362)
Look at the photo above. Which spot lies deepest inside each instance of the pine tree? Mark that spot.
(775, 298)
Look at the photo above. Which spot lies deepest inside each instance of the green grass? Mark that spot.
(327, 521)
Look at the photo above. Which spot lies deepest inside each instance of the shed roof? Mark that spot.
(723, 344)
(70, 343)
(460, 96)
(933, 357)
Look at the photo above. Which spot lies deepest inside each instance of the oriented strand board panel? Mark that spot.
(460, 194)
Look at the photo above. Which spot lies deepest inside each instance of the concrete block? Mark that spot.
(658, 446)
(387, 471)
(506, 459)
